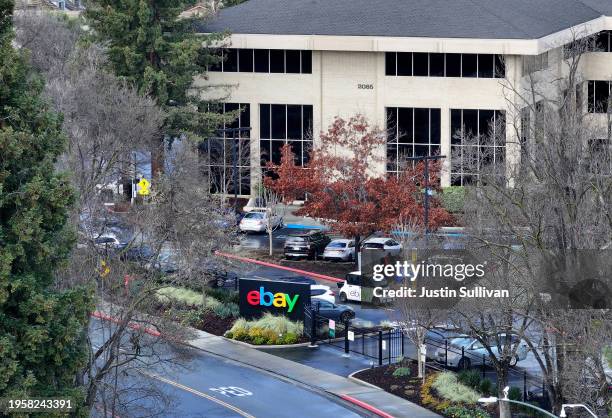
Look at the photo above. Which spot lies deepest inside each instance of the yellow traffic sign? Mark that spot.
(104, 269)
(143, 187)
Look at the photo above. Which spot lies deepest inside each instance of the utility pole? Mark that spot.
(426, 175)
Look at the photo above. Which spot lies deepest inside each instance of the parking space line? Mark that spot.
(198, 393)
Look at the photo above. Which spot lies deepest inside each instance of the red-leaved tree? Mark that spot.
(345, 192)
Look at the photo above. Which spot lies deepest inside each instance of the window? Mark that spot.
(285, 124)
(424, 64)
(219, 154)
(602, 42)
(477, 141)
(264, 61)
(412, 132)
(533, 63)
(599, 96)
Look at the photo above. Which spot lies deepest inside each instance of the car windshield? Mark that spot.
(337, 244)
(317, 292)
(254, 215)
(104, 240)
(373, 245)
(295, 239)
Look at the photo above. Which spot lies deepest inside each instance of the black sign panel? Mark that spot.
(277, 297)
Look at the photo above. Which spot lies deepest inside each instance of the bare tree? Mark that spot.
(536, 218)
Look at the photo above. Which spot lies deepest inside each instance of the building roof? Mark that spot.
(480, 19)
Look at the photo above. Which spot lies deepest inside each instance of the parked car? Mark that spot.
(254, 203)
(258, 222)
(436, 337)
(351, 289)
(137, 253)
(107, 241)
(473, 351)
(322, 292)
(340, 249)
(166, 262)
(308, 244)
(389, 245)
(330, 310)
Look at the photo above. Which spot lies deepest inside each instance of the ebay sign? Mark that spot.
(277, 297)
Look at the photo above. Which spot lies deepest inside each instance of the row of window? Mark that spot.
(285, 124)
(411, 132)
(427, 64)
(264, 61)
(598, 96)
(477, 141)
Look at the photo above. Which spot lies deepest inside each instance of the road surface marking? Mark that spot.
(197, 393)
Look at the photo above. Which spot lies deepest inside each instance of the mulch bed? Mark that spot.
(214, 324)
(408, 387)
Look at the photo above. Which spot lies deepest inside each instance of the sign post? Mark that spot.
(286, 298)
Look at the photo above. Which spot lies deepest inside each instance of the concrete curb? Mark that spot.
(265, 347)
(362, 382)
(366, 406)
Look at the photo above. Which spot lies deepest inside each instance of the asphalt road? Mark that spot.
(197, 384)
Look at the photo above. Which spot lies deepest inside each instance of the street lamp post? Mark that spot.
(234, 132)
(426, 175)
(493, 399)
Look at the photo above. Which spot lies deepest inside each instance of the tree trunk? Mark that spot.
(270, 241)
(502, 382)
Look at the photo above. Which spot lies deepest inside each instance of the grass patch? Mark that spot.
(180, 294)
(448, 387)
(268, 329)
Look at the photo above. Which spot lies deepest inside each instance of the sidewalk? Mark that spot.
(314, 378)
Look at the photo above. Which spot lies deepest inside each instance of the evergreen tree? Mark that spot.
(42, 329)
(160, 53)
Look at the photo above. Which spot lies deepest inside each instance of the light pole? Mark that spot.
(493, 399)
(575, 405)
(426, 175)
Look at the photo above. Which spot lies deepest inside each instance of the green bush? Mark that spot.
(453, 198)
(268, 329)
(486, 387)
(290, 338)
(515, 394)
(210, 303)
(463, 412)
(401, 372)
(470, 378)
(223, 295)
(179, 294)
(449, 388)
(229, 310)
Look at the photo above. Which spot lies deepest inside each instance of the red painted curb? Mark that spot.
(277, 266)
(366, 406)
(136, 327)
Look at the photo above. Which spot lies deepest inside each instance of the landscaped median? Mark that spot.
(216, 311)
(453, 395)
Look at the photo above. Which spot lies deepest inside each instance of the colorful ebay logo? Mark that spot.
(278, 300)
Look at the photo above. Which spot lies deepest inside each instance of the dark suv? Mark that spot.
(309, 244)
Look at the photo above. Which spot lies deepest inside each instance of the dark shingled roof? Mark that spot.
(484, 19)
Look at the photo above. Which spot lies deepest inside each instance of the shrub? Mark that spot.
(515, 394)
(453, 198)
(179, 294)
(449, 388)
(428, 399)
(401, 372)
(229, 310)
(222, 295)
(470, 378)
(290, 338)
(486, 387)
(269, 329)
(457, 411)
